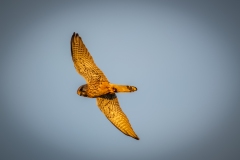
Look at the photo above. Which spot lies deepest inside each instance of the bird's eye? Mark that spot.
(82, 89)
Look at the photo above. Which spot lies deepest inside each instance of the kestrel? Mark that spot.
(99, 87)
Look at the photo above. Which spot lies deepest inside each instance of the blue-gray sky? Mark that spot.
(182, 56)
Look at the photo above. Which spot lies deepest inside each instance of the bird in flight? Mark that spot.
(99, 87)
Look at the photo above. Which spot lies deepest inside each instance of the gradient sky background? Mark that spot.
(183, 57)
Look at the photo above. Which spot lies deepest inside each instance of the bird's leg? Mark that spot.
(112, 89)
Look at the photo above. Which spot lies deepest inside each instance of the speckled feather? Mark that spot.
(110, 107)
(84, 63)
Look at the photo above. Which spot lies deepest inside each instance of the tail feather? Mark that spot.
(123, 88)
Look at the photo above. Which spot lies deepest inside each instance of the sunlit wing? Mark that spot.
(83, 61)
(110, 107)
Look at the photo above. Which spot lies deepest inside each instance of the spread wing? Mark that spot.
(110, 107)
(83, 61)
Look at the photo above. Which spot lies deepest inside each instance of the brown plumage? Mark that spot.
(99, 87)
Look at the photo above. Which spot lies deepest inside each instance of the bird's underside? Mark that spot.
(99, 87)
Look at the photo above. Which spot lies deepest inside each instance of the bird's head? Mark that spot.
(82, 90)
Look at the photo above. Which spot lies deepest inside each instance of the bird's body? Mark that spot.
(99, 87)
(91, 91)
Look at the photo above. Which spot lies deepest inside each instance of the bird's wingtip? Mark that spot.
(136, 137)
